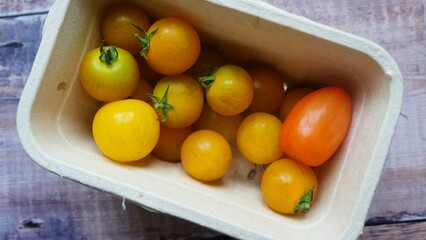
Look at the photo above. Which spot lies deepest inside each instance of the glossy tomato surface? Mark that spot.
(185, 95)
(316, 126)
(232, 90)
(174, 48)
(117, 28)
(206, 155)
(109, 82)
(289, 187)
(126, 130)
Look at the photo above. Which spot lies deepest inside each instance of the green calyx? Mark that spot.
(207, 81)
(161, 105)
(108, 54)
(144, 40)
(304, 204)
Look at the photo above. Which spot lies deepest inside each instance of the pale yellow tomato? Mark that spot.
(126, 130)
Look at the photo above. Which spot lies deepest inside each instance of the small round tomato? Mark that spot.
(208, 61)
(290, 99)
(316, 126)
(170, 143)
(179, 100)
(126, 130)
(172, 46)
(227, 126)
(142, 91)
(231, 91)
(108, 73)
(117, 26)
(206, 155)
(268, 90)
(289, 187)
(257, 138)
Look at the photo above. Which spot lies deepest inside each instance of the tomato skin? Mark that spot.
(232, 90)
(126, 130)
(185, 95)
(290, 100)
(268, 90)
(170, 143)
(227, 126)
(257, 138)
(206, 155)
(112, 82)
(284, 182)
(117, 26)
(316, 126)
(175, 46)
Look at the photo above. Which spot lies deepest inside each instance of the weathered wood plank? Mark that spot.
(399, 231)
(16, 7)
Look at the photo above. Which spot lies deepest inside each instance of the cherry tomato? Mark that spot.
(231, 92)
(316, 126)
(186, 97)
(208, 61)
(109, 77)
(172, 46)
(289, 187)
(117, 26)
(290, 99)
(268, 90)
(206, 155)
(227, 126)
(142, 91)
(170, 142)
(126, 130)
(257, 138)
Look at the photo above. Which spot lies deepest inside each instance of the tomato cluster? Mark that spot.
(164, 93)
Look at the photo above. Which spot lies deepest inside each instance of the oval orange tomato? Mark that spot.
(316, 126)
(289, 187)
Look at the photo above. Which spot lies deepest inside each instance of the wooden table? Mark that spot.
(37, 204)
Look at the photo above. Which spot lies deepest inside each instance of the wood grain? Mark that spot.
(36, 204)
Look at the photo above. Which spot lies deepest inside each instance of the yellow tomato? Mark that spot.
(227, 126)
(186, 97)
(126, 130)
(206, 155)
(231, 91)
(289, 187)
(257, 138)
(170, 143)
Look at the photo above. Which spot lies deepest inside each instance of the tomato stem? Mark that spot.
(144, 40)
(108, 54)
(304, 204)
(161, 105)
(207, 81)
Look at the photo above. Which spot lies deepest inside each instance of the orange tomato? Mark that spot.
(316, 126)
(117, 26)
(289, 187)
(208, 61)
(142, 91)
(231, 91)
(170, 142)
(268, 90)
(174, 47)
(227, 126)
(206, 155)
